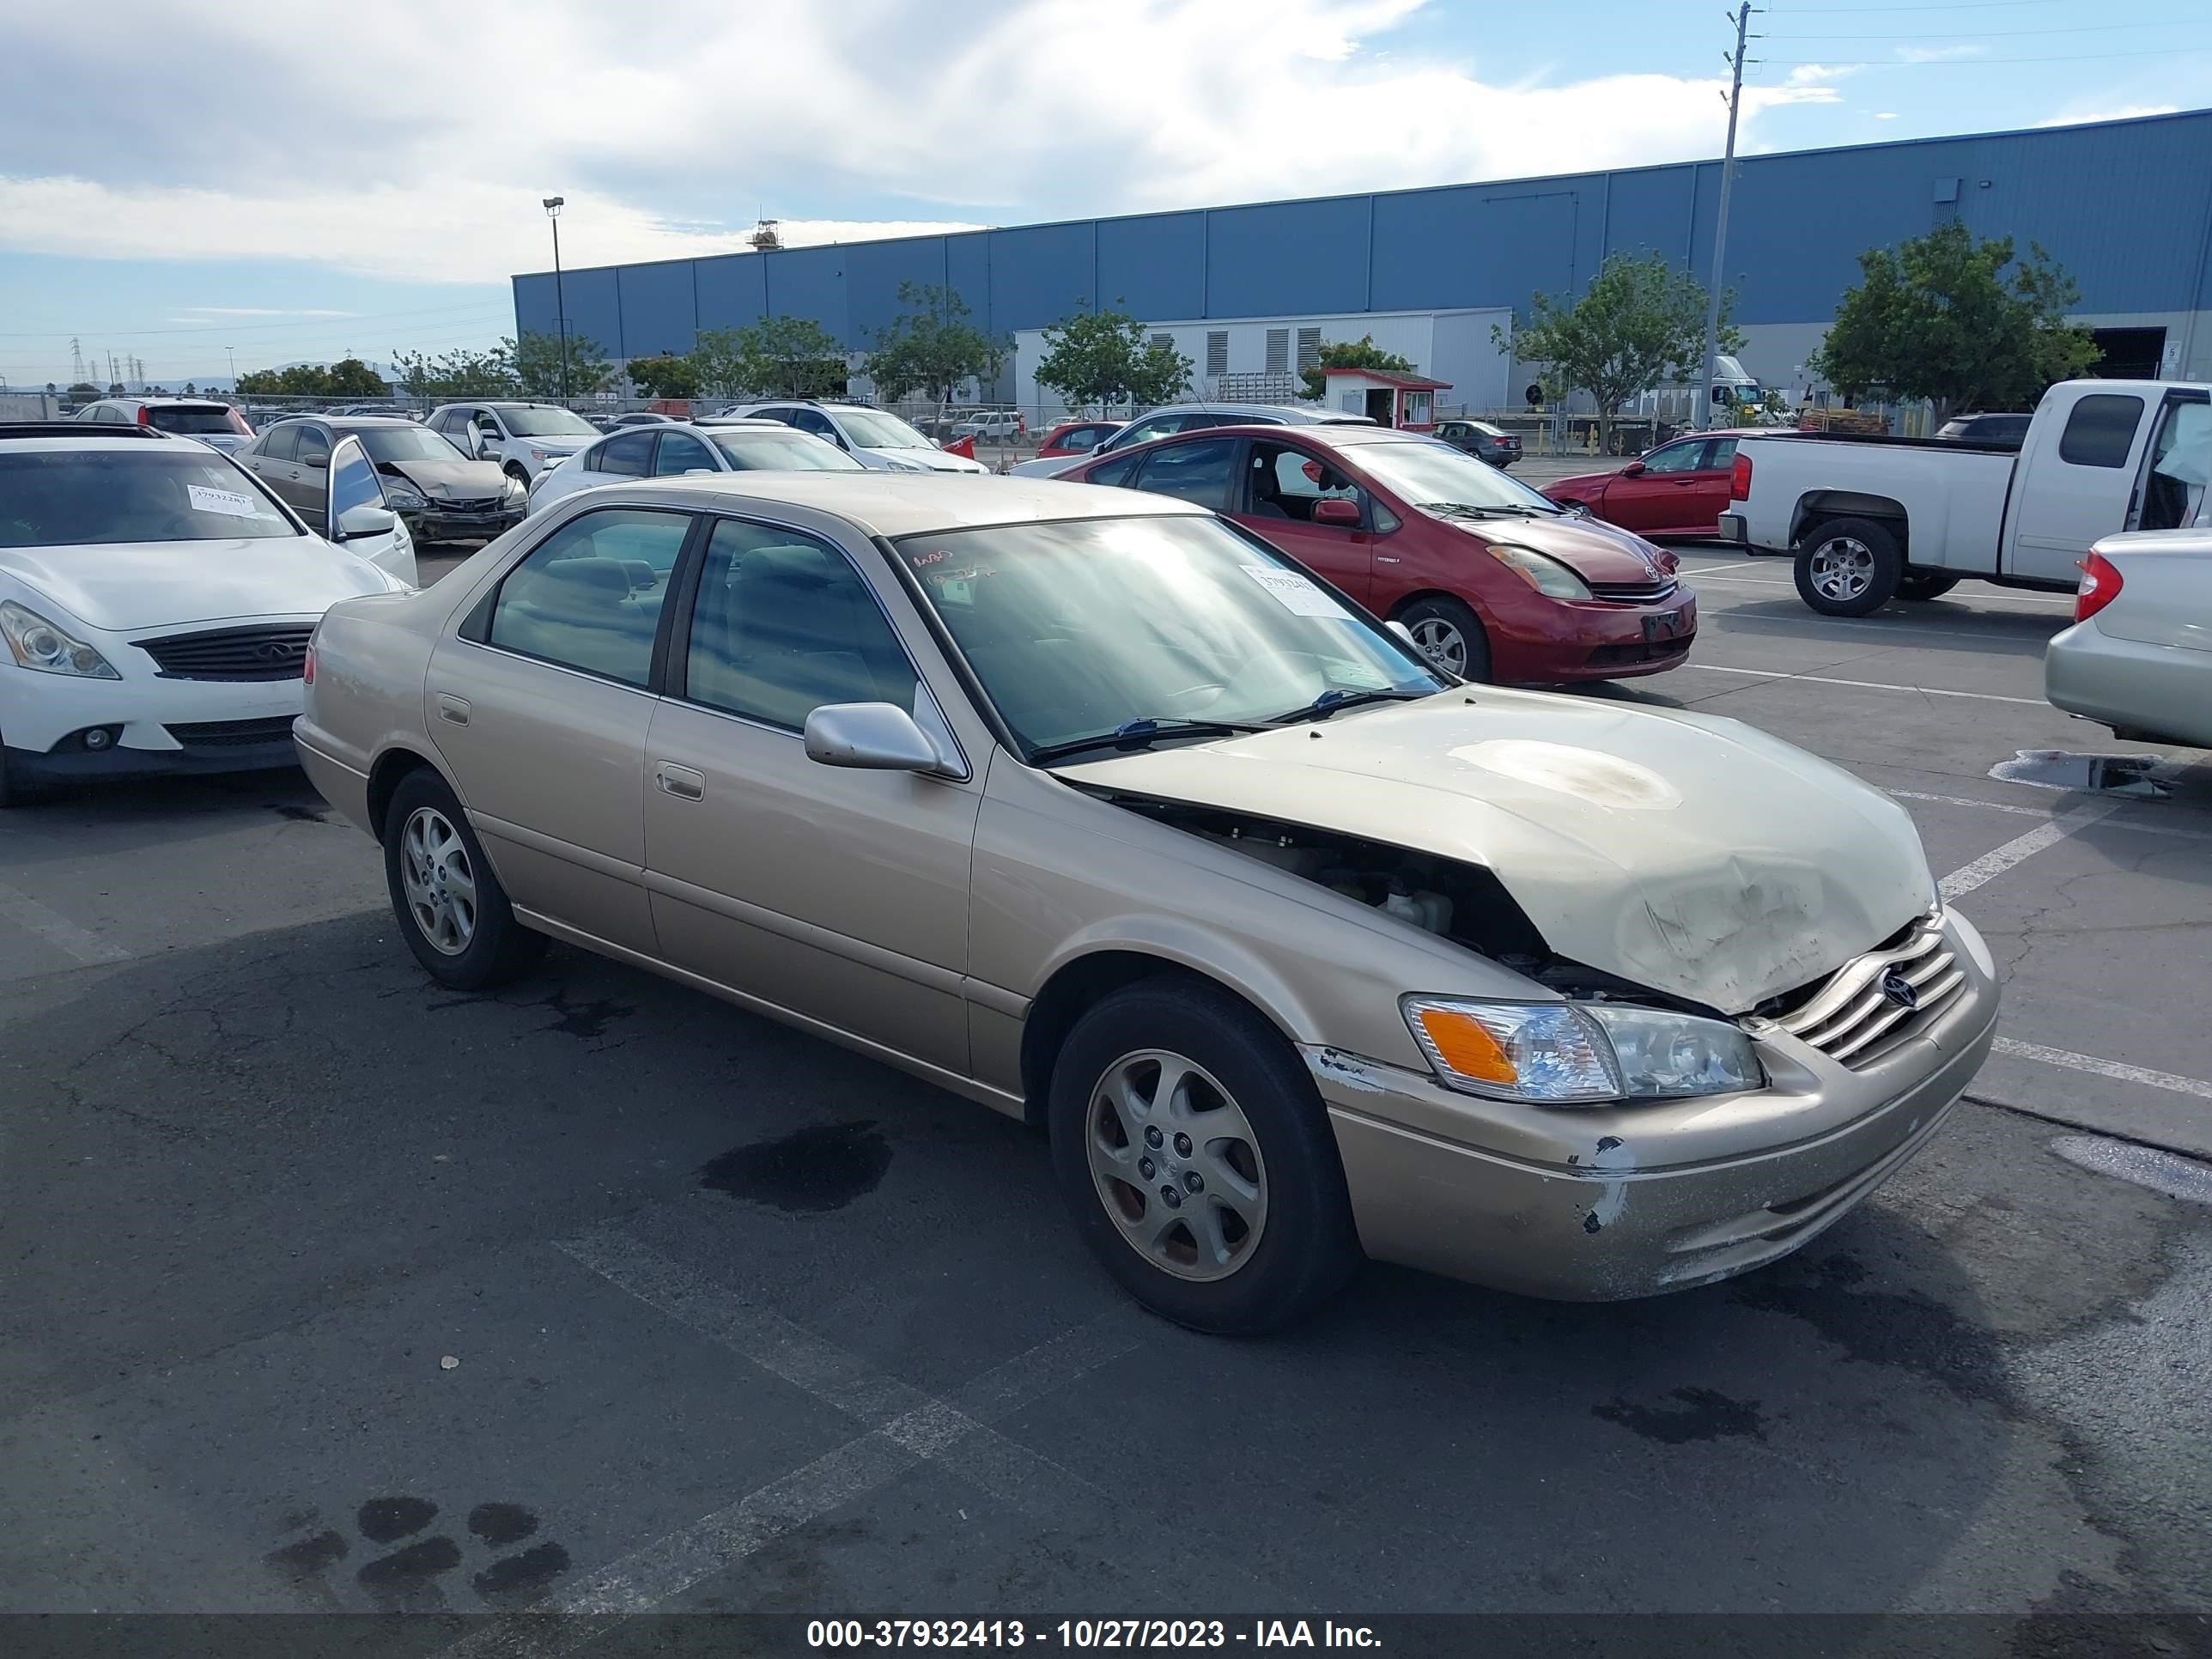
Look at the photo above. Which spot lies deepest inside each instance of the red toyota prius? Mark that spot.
(1493, 581)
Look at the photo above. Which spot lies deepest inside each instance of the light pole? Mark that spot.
(233, 351)
(553, 205)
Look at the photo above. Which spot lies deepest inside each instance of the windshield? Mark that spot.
(872, 428)
(1078, 629)
(406, 443)
(782, 452)
(60, 498)
(1428, 473)
(547, 424)
(189, 420)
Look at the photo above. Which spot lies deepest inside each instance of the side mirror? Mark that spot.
(1404, 637)
(1631, 469)
(875, 737)
(487, 446)
(356, 523)
(1334, 509)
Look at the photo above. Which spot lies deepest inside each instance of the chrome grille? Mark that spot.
(470, 504)
(1633, 592)
(1859, 1007)
(278, 653)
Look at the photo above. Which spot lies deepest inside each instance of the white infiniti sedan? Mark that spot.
(156, 602)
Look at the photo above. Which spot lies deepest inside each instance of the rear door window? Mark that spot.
(2101, 429)
(626, 457)
(279, 442)
(589, 596)
(314, 447)
(681, 452)
(1197, 471)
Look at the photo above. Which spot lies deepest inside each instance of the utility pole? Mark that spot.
(233, 351)
(552, 205)
(1742, 20)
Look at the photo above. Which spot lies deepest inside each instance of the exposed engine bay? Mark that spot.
(1465, 903)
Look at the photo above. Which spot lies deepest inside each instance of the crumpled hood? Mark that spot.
(122, 586)
(453, 480)
(1691, 854)
(936, 460)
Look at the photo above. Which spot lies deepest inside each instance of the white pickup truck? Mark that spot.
(1870, 520)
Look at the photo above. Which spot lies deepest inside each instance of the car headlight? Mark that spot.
(907, 466)
(537, 454)
(1568, 1053)
(400, 499)
(1543, 573)
(36, 643)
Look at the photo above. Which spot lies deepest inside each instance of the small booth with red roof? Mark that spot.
(1389, 399)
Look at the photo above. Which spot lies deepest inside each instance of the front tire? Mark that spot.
(450, 906)
(1849, 566)
(1449, 635)
(1197, 1159)
(1925, 585)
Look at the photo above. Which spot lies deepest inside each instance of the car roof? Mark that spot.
(196, 402)
(40, 436)
(364, 420)
(893, 504)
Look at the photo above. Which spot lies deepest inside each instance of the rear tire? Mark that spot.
(1925, 585)
(1449, 635)
(450, 906)
(1849, 566)
(1259, 1231)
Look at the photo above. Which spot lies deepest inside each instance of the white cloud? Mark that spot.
(1941, 54)
(2119, 112)
(1885, 115)
(665, 126)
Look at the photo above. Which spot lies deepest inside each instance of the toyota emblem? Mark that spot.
(1898, 989)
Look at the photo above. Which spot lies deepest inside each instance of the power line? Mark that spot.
(473, 307)
(1961, 5)
(1987, 34)
(1972, 62)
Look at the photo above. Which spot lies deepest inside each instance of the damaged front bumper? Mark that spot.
(1595, 1205)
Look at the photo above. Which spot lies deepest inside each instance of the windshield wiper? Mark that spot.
(1133, 735)
(1329, 702)
(1473, 510)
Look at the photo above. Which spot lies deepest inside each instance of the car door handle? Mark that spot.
(680, 781)
(453, 710)
(1386, 558)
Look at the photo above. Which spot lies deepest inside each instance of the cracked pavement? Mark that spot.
(261, 1180)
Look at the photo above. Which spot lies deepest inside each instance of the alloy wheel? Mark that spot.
(1441, 644)
(1176, 1165)
(440, 882)
(1842, 569)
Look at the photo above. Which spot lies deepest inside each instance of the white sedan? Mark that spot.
(670, 449)
(156, 602)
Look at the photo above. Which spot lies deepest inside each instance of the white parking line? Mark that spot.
(1715, 573)
(1995, 862)
(57, 929)
(2018, 811)
(2096, 1067)
(906, 1426)
(1865, 685)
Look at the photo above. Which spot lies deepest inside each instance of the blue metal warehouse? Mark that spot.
(2126, 206)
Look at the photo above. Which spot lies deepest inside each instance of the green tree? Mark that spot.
(1937, 317)
(83, 391)
(1103, 358)
(717, 361)
(1640, 323)
(191, 390)
(349, 377)
(790, 357)
(536, 359)
(665, 376)
(456, 373)
(932, 347)
(1362, 353)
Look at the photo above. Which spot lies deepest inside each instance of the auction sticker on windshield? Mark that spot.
(229, 502)
(1293, 592)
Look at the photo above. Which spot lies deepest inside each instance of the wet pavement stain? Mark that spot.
(309, 1556)
(1703, 1414)
(2136, 776)
(822, 1167)
(501, 1524)
(514, 1580)
(301, 814)
(385, 1520)
(587, 1021)
(407, 1578)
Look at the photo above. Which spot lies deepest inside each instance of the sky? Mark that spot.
(269, 181)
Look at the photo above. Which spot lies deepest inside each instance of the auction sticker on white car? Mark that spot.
(229, 502)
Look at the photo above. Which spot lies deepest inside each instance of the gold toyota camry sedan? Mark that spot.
(1092, 806)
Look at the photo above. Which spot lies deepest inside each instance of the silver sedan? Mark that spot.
(2139, 656)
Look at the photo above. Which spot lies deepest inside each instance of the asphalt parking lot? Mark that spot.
(330, 1288)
